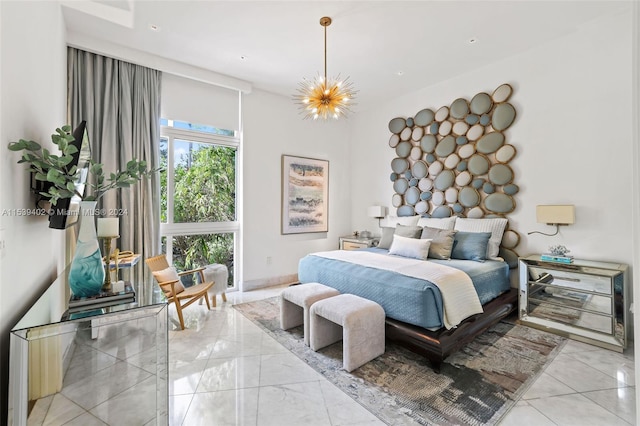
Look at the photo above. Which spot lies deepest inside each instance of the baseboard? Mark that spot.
(269, 282)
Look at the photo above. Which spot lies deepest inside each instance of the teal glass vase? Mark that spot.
(86, 276)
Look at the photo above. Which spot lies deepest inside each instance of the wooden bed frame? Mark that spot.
(439, 344)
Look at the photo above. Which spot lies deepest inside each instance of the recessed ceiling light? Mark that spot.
(400, 73)
(154, 27)
(473, 40)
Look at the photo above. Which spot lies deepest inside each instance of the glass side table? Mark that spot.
(109, 360)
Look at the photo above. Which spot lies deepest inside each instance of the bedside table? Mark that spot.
(353, 243)
(583, 300)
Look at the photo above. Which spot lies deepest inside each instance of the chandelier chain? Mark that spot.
(325, 52)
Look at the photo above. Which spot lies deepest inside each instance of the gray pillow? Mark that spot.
(441, 241)
(408, 231)
(403, 230)
(470, 246)
(387, 237)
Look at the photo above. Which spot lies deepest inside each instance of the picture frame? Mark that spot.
(305, 195)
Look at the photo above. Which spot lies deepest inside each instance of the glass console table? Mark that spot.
(108, 363)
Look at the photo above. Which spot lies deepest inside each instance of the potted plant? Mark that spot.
(60, 174)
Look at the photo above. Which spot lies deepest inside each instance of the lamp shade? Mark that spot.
(556, 214)
(377, 211)
(108, 227)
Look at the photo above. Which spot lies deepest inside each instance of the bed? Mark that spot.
(413, 305)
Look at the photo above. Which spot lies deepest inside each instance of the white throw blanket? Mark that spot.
(459, 297)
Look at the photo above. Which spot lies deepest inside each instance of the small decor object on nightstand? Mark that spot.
(557, 254)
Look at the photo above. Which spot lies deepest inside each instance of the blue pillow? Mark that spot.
(470, 245)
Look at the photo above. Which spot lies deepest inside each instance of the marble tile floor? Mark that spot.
(224, 370)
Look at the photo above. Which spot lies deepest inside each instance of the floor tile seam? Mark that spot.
(101, 351)
(595, 367)
(185, 393)
(85, 412)
(236, 356)
(292, 383)
(66, 386)
(616, 377)
(248, 355)
(608, 388)
(352, 400)
(543, 371)
(186, 411)
(197, 392)
(620, 384)
(259, 375)
(619, 357)
(84, 377)
(200, 377)
(593, 401)
(153, 373)
(575, 392)
(223, 338)
(74, 403)
(542, 414)
(115, 356)
(189, 351)
(46, 413)
(121, 392)
(587, 367)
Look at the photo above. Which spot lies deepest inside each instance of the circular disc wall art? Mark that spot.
(456, 160)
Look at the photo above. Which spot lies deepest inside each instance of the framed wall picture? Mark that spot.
(305, 195)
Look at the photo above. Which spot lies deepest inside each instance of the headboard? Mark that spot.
(456, 162)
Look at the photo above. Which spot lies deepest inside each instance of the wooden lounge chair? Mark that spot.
(169, 281)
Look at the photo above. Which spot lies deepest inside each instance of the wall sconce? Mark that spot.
(377, 212)
(555, 215)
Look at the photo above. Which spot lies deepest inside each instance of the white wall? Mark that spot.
(33, 86)
(573, 133)
(273, 127)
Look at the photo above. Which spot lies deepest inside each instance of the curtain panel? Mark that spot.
(121, 103)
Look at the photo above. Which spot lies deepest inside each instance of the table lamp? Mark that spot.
(108, 228)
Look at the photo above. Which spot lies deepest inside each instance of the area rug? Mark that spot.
(476, 386)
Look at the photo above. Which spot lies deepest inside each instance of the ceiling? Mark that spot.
(274, 44)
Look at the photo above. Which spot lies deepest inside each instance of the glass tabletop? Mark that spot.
(53, 306)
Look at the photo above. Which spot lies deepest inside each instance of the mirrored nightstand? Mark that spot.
(583, 300)
(353, 243)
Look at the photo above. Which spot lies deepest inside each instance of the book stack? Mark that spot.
(553, 258)
(102, 300)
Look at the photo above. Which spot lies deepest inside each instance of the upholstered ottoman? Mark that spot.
(357, 321)
(219, 274)
(295, 302)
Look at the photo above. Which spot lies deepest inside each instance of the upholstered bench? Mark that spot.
(295, 302)
(357, 321)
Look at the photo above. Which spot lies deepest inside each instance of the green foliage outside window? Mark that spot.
(204, 192)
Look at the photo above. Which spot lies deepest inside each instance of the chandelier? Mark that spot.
(323, 97)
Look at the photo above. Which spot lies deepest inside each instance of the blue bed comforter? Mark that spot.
(403, 298)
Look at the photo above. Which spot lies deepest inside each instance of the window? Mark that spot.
(199, 197)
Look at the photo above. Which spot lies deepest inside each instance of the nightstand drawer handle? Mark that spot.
(575, 280)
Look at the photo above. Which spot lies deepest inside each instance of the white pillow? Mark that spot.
(410, 247)
(166, 275)
(392, 221)
(436, 222)
(495, 225)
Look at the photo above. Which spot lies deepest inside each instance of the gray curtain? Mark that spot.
(121, 103)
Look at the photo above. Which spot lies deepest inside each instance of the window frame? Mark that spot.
(171, 229)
